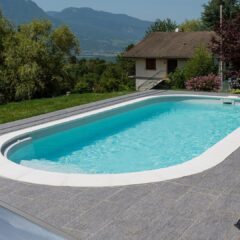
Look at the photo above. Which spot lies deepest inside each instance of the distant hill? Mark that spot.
(100, 33)
(21, 11)
(101, 30)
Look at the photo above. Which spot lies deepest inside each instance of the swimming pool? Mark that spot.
(147, 135)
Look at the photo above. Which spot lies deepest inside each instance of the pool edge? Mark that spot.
(212, 157)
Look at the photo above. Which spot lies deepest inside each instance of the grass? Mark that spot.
(25, 109)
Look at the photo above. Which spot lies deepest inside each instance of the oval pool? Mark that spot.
(153, 134)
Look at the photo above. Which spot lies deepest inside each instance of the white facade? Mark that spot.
(144, 75)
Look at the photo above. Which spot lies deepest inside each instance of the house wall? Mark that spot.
(143, 75)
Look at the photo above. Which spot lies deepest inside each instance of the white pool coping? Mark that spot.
(211, 158)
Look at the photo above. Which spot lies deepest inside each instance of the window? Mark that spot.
(151, 64)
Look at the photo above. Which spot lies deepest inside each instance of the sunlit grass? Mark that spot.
(20, 110)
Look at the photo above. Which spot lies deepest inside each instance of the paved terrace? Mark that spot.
(200, 207)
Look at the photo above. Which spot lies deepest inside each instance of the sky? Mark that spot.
(178, 10)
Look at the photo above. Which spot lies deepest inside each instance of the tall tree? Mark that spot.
(227, 45)
(6, 31)
(211, 13)
(166, 25)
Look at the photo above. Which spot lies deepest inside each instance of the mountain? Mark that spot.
(101, 30)
(21, 11)
(100, 33)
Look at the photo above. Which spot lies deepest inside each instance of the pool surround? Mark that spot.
(212, 157)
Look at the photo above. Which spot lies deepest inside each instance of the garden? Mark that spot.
(41, 69)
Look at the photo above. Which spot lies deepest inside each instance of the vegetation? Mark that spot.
(193, 25)
(210, 18)
(100, 76)
(166, 25)
(210, 15)
(201, 64)
(227, 45)
(199, 72)
(177, 79)
(24, 109)
(39, 61)
(204, 83)
(235, 91)
(34, 60)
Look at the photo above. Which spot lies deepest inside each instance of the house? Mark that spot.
(162, 53)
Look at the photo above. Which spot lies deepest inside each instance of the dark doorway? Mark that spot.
(172, 65)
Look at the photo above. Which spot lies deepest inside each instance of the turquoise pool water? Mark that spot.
(145, 136)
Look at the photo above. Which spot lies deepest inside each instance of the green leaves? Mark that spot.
(201, 64)
(193, 25)
(65, 41)
(27, 86)
(34, 60)
(166, 25)
(211, 13)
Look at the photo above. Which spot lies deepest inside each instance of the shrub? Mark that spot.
(109, 84)
(86, 83)
(177, 79)
(81, 87)
(233, 79)
(235, 91)
(234, 83)
(201, 64)
(204, 83)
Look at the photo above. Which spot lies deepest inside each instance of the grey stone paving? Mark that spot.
(199, 207)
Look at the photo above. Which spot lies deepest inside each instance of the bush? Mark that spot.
(234, 83)
(204, 83)
(202, 64)
(177, 79)
(86, 83)
(233, 79)
(235, 91)
(81, 87)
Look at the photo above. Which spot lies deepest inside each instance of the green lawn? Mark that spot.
(20, 110)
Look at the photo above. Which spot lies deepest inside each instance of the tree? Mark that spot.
(127, 65)
(191, 26)
(87, 83)
(110, 80)
(36, 59)
(6, 31)
(211, 13)
(202, 64)
(227, 45)
(166, 25)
